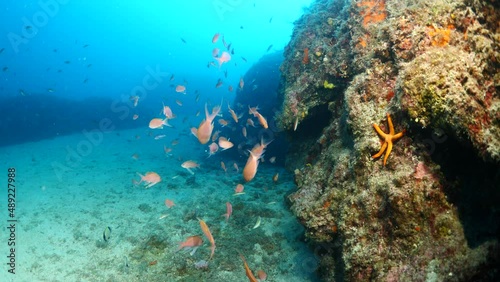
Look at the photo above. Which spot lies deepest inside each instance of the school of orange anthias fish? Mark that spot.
(205, 135)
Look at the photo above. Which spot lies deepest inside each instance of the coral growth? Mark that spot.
(372, 11)
(305, 60)
(440, 37)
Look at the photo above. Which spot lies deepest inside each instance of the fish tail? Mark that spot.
(140, 181)
(212, 251)
(165, 122)
(180, 247)
(206, 112)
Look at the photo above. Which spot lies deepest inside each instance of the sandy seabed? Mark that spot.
(69, 189)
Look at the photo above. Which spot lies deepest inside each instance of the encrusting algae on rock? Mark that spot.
(434, 66)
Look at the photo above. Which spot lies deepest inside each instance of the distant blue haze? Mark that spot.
(76, 50)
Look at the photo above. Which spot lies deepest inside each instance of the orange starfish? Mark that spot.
(388, 139)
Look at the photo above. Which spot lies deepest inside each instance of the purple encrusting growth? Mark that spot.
(429, 214)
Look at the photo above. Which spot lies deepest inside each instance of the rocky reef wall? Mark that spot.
(426, 74)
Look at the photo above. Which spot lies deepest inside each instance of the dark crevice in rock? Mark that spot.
(319, 118)
(472, 185)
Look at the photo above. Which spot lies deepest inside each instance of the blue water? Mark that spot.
(73, 50)
(70, 67)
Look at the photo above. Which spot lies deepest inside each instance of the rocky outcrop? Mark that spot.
(431, 213)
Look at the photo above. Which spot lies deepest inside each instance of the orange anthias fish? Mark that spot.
(229, 211)
(192, 242)
(251, 166)
(206, 127)
(158, 123)
(209, 236)
(253, 110)
(180, 89)
(223, 122)
(215, 136)
(212, 149)
(253, 160)
(225, 144)
(215, 52)
(223, 166)
(262, 120)
(224, 58)
(166, 150)
(262, 275)
(250, 122)
(215, 38)
(255, 113)
(275, 177)
(242, 83)
(248, 272)
(258, 149)
(167, 112)
(239, 188)
(233, 114)
(151, 178)
(169, 203)
(188, 165)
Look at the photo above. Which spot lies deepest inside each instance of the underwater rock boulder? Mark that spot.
(431, 66)
(445, 88)
(261, 85)
(260, 90)
(45, 116)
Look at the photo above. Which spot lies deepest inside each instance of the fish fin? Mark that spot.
(165, 122)
(193, 251)
(254, 155)
(180, 247)
(141, 176)
(265, 144)
(206, 112)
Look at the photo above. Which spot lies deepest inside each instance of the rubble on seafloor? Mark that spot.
(432, 212)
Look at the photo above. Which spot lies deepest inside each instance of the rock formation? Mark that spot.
(432, 212)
